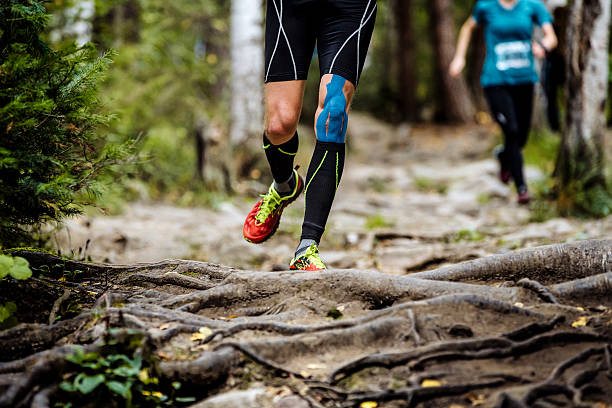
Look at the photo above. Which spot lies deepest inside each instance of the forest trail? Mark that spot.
(410, 198)
(521, 328)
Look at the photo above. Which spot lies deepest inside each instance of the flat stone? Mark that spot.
(253, 398)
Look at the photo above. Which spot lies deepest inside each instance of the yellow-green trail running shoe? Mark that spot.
(308, 261)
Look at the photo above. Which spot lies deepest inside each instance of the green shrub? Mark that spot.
(49, 151)
(17, 268)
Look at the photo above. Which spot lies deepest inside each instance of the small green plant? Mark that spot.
(377, 221)
(18, 268)
(120, 371)
(377, 184)
(483, 198)
(427, 185)
(468, 235)
(334, 313)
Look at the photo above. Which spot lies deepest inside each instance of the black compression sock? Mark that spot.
(323, 177)
(281, 157)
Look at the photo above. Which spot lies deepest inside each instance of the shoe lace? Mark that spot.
(312, 254)
(271, 201)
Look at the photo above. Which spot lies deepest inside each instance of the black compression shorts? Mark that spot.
(341, 29)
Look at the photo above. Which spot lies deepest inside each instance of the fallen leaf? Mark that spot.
(143, 375)
(580, 308)
(519, 304)
(92, 293)
(430, 383)
(233, 316)
(201, 334)
(582, 321)
(163, 355)
(368, 404)
(164, 326)
(475, 399)
(62, 279)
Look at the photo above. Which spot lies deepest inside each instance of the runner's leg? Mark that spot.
(290, 41)
(343, 41)
(503, 111)
(280, 139)
(289, 45)
(327, 163)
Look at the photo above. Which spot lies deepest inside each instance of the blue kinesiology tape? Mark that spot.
(334, 109)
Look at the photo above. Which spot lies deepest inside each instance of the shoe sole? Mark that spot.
(290, 201)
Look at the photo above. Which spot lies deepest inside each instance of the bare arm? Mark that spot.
(465, 35)
(549, 41)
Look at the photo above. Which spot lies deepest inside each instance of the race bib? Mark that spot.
(513, 54)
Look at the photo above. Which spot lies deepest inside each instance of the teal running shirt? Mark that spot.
(508, 36)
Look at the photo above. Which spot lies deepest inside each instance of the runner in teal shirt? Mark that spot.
(509, 74)
(508, 36)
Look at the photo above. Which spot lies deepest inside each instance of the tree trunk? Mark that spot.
(406, 58)
(77, 23)
(455, 103)
(247, 70)
(476, 59)
(580, 163)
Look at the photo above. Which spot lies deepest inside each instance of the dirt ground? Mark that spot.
(396, 322)
(410, 198)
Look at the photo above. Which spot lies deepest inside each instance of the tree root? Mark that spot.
(590, 287)
(539, 289)
(28, 338)
(556, 263)
(278, 321)
(514, 349)
(209, 368)
(168, 278)
(40, 374)
(489, 347)
(413, 395)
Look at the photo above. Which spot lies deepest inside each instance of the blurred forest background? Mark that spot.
(170, 84)
(178, 116)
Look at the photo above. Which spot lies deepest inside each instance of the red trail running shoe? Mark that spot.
(263, 220)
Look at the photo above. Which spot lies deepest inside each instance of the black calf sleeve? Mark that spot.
(281, 157)
(324, 174)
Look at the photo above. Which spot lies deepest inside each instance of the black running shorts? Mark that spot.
(341, 29)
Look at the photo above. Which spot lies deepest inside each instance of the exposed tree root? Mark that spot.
(591, 287)
(28, 338)
(218, 328)
(414, 395)
(541, 290)
(549, 264)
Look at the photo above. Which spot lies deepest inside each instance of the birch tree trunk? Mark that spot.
(580, 162)
(247, 70)
(77, 23)
(454, 97)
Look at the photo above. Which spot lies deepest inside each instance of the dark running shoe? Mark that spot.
(504, 174)
(523, 196)
(263, 220)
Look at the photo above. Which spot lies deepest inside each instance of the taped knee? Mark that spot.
(333, 120)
